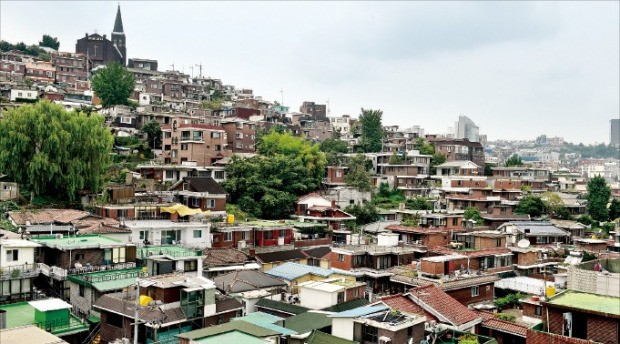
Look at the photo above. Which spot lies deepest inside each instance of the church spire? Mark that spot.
(118, 23)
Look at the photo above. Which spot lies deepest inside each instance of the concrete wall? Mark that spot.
(317, 299)
(25, 256)
(343, 328)
(580, 278)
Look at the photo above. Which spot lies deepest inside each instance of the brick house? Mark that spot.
(72, 70)
(429, 237)
(201, 192)
(241, 134)
(40, 72)
(459, 149)
(315, 208)
(202, 143)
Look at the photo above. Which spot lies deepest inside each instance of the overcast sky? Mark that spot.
(517, 69)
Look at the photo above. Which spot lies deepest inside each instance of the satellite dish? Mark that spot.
(523, 243)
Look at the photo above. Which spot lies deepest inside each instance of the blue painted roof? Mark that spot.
(291, 271)
(360, 311)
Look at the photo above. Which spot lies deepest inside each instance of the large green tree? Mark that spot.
(364, 214)
(334, 148)
(514, 160)
(50, 151)
(358, 175)
(531, 205)
(50, 42)
(598, 197)
(614, 209)
(113, 84)
(268, 185)
(371, 130)
(473, 213)
(153, 132)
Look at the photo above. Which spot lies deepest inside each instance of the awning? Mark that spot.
(183, 210)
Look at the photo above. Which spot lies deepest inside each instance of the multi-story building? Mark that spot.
(614, 132)
(72, 70)
(145, 64)
(465, 128)
(40, 72)
(18, 269)
(241, 134)
(459, 149)
(317, 111)
(102, 51)
(201, 143)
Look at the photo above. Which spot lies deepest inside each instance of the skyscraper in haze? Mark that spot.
(465, 128)
(614, 132)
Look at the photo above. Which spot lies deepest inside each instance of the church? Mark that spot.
(100, 50)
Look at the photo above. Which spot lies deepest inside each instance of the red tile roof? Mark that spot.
(404, 304)
(45, 216)
(442, 304)
(492, 322)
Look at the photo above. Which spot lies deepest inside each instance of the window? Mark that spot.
(475, 291)
(114, 319)
(12, 255)
(175, 153)
(369, 334)
(215, 135)
(383, 262)
(341, 257)
(197, 233)
(228, 236)
(219, 174)
(341, 297)
(218, 147)
(144, 235)
(498, 243)
(167, 134)
(78, 256)
(245, 235)
(282, 233)
(81, 291)
(190, 265)
(356, 292)
(167, 147)
(538, 311)
(184, 146)
(211, 203)
(125, 120)
(455, 221)
(267, 235)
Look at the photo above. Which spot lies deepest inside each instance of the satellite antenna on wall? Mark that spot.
(523, 243)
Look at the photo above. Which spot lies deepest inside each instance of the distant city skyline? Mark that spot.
(516, 69)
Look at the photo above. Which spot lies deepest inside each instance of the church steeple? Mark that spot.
(118, 23)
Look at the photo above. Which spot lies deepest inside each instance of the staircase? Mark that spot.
(94, 337)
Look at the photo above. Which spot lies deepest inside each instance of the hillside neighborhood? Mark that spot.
(176, 208)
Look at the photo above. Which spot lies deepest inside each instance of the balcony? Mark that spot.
(19, 272)
(61, 274)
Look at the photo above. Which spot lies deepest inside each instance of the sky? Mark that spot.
(517, 69)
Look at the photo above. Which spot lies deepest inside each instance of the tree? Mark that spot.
(614, 209)
(358, 175)
(472, 213)
(488, 169)
(297, 148)
(418, 203)
(531, 205)
(514, 160)
(114, 84)
(333, 149)
(553, 202)
(50, 151)
(436, 160)
(372, 130)
(598, 196)
(364, 214)
(50, 42)
(153, 132)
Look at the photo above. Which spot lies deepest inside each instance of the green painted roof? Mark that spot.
(345, 306)
(318, 337)
(307, 322)
(108, 280)
(77, 241)
(233, 337)
(589, 302)
(281, 306)
(242, 326)
(22, 314)
(267, 321)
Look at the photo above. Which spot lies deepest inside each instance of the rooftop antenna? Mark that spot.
(327, 101)
(192, 69)
(199, 69)
(172, 65)
(282, 93)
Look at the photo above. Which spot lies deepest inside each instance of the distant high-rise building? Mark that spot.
(614, 132)
(465, 128)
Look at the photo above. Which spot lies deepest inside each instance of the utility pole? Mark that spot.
(282, 93)
(192, 69)
(327, 101)
(172, 65)
(199, 69)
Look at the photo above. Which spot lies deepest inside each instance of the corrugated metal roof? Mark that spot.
(361, 311)
(291, 271)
